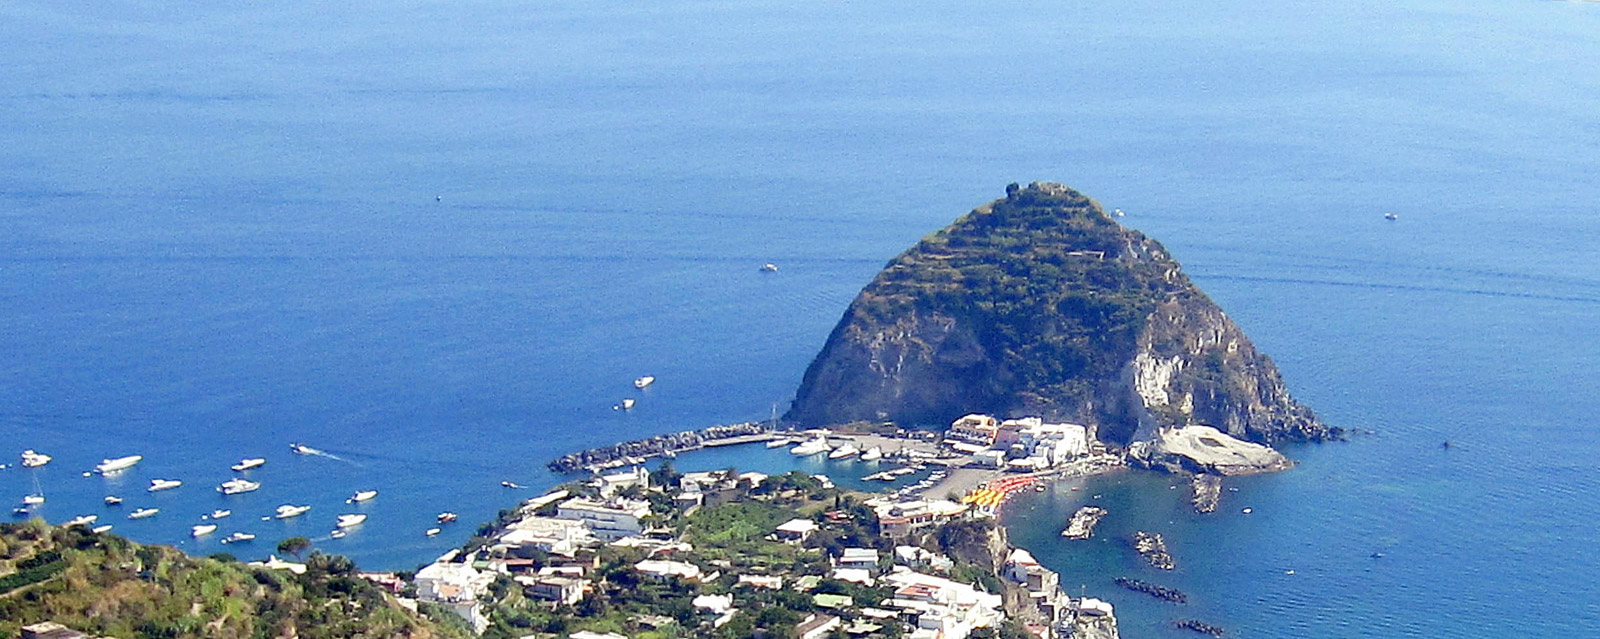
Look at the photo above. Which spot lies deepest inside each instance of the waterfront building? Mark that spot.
(611, 520)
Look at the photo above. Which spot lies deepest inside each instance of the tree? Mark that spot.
(294, 546)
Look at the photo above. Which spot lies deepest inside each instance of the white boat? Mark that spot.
(779, 443)
(873, 454)
(247, 464)
(1390, 216)
(112, 500)
(32, 500)
(100, 529)
(163, 484)
(143, 512)
(644, 381)
(847, 450)
(238, 537)
(445, 518)
(361, 496)
(290, 510)
(769, 267)
(220, 513)
(509, 484)
(302, 449)
(31, 459)
(202, 530)
(627, 403)
(21, 511)
(236, 486)
(346, 521)
(107, 466)
(82, 520)
(431, 532)
(337, 534)
(813, 447)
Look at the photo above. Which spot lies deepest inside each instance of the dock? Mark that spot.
(639, 450)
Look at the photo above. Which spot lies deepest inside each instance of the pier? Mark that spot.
(637, 451)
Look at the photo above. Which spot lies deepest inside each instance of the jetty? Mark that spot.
(636, 451)
(1207, 491)
(1083, 522)
(1159, 592)
(1154, 550)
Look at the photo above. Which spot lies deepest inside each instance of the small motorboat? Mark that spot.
(779, 442)
(163, 484)
(290, 510)
(361, 496)
(98, 530)
(769, 267)
(143, 512)
(1390, 216)
(247, 464)
(32, 459)
(108, 466)
(508, 484)
(643, 382)
(236, 486)
(202, 530)
(302, 449)
(431, 532)
(238, 537)
(445, 518)
(32, 500)
(337, 534)
(113, 500)
(220, 513)
(347, 521)
(627, 403)
(83, 520)
(873, 454)
(21, 511)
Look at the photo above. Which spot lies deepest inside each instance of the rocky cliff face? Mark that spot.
(1041, 304)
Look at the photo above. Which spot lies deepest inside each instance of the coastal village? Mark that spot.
(633, 553)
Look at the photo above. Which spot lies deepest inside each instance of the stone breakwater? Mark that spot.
(1159, 592)
(640, 449)
(1154, 550)
(1207, 491)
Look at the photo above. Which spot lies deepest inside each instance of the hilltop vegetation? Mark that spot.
(106, 585)
(1042, 304)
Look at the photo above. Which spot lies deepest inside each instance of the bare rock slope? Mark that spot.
(1041, 304)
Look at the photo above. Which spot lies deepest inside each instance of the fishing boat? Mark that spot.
(238, 537)
(163, 484)
(236, 486)
(290, 510)
(108, 466)
(247, 464)
(873, 454)
(100, 529)
(31, 459)
(847, 450)
(143, 512)
(82, 520)
(113, 500)
(445, 518)
(346, 521)
(643, 382)
(202, 530)
(220, 513)
(360, 496)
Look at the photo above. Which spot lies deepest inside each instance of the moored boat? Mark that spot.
(847, 450)
(873, 454)
(643, 381)
(356, 519)
(163, 484)
(100, 529)
(779, 442)
(143, 512)
(113, 500)
(431, 532)
(220, 513)
(769, 267)
(290, 510)
(202, 530)
(238, 537)
(107, 466)
(82, 520)
(236, 486)
(361, 496)
(445, 518)
(247, 464)
(32, 459)
(813, 447)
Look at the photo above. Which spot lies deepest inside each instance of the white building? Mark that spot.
(610, 485)
(610, 521)
(796, 530)
(662, 569)
(858, 558)
(457, 586)
(548, 534)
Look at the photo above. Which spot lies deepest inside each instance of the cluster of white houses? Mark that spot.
(1027, 444)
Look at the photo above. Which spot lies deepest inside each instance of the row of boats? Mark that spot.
(640, 383)
(820, 444)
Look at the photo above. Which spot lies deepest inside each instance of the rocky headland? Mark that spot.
(1040, 303)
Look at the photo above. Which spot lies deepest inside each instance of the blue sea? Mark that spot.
(438, 240)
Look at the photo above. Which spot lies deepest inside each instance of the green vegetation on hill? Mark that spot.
(107, 585)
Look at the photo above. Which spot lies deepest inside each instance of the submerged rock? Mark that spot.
(1039, 304)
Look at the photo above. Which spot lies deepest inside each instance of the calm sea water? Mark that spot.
(439, 240)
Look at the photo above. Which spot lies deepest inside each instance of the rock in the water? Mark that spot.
(1203, 449)
(1041, 304)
